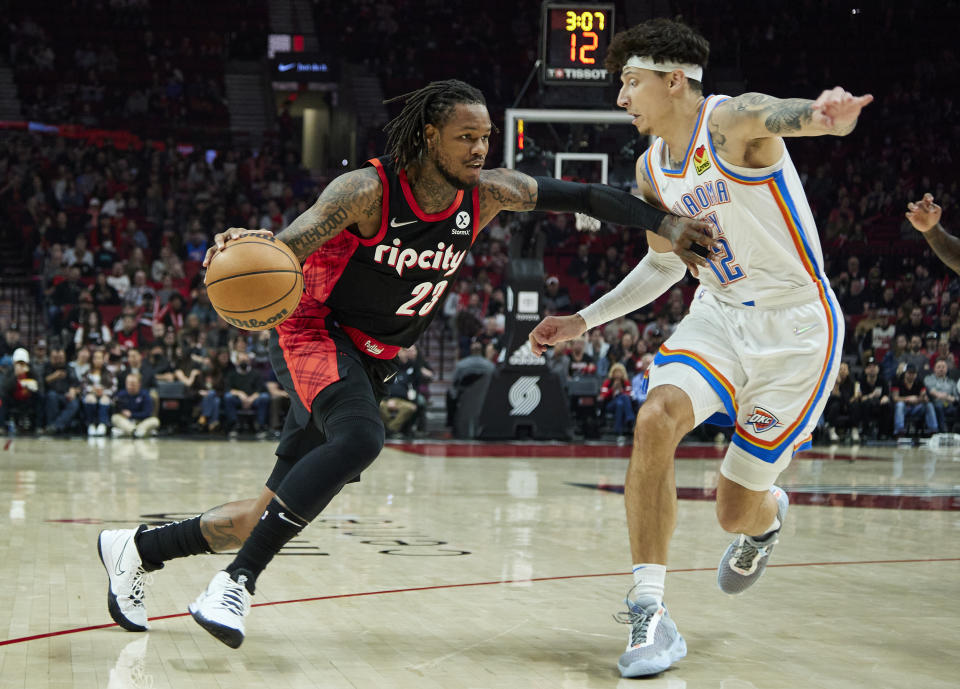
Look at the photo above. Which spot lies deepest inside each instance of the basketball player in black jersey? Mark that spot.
(379, 248)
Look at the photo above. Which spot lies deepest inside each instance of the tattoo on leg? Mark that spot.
(218, 530)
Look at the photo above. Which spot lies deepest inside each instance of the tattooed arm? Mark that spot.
(746, 130)
(352, 198)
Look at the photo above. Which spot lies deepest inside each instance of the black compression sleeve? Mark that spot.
(597, 200)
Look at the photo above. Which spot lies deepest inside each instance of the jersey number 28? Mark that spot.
(421, 292)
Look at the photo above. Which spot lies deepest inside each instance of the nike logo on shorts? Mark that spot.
(394, 223)
(802, 329)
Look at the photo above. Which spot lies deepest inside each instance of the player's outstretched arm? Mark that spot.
(754, 116)
(924, 215)
(503, 189)
(353, 197)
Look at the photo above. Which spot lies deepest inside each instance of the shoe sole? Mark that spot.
(112, 606)
(677, 651)
(231, 637)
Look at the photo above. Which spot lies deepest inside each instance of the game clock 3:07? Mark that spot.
(573, 42)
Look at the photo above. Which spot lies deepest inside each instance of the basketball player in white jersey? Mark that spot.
(764, 334)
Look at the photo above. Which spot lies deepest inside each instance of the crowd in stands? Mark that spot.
(115, 236)
(129, 64)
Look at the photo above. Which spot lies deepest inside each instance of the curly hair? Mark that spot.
(433, 104)
(661, 40)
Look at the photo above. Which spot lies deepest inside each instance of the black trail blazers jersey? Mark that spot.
(384, 291)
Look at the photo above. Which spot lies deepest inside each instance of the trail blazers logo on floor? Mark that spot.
(762, 420)
(701, 161)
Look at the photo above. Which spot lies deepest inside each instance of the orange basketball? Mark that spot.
(255, 282)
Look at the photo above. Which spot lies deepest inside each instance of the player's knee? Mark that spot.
(732, 517)
(660, 416)
(363, 436)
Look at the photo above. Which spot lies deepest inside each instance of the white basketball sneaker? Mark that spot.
(221, 608)
(654, 643)
(127, 578)
(746, 558)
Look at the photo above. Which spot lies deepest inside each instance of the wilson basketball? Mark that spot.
(255, 282)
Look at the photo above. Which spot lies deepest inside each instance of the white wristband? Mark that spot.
(653, 276)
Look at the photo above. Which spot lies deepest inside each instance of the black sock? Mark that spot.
(170, 541)
(275, 529)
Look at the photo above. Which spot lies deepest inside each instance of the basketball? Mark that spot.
(255, 282)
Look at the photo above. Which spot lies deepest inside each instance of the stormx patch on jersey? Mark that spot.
(762, 420)
(445, 258)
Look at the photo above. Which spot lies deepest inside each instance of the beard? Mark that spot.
(451, 178)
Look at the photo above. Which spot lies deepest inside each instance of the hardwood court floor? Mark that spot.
(482, 567)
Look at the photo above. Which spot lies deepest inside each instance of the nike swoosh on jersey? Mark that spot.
(802, 329)
(394, 223)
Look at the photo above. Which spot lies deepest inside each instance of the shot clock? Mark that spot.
(574, 39)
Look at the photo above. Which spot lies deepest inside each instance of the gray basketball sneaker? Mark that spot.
(746, 558)
(126, 578)
(654, 643)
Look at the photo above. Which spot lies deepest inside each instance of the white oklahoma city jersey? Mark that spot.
(764, 331)
(769, 247)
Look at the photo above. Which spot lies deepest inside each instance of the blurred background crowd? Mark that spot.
(106, 210)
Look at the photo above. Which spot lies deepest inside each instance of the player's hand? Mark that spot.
(838, 109)
(924, 214)
(692, 240)
(220, 239)
(554, 329)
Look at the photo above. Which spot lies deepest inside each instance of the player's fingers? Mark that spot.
(912, 206)
(864, 100)
(928, 197)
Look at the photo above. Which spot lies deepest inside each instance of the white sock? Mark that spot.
(648, 582)
(773, 527)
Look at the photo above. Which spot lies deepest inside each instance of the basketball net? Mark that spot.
(586, 223)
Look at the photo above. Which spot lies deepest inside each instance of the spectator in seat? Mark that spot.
(399, 406)
(871, 401)
(245, 390)
(97, 388)
(615, 395)
(466, 371)
(895, 360)
(211, 395)
(599, 349)
(20, 399)
(943, 395)
(92, 332)
(838, 413)
(910, 401)
(9, 344)
(579, 363)
(134, 410)
(556, 299)
(61, 392)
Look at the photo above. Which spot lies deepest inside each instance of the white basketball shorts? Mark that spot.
(767, 370)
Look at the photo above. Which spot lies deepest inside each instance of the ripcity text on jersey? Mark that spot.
(384, 291)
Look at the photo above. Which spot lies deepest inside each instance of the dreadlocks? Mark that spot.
(433, 104)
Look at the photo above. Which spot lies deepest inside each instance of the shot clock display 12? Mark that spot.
(574, 39)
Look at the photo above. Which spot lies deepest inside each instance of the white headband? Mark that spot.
(694, 72)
